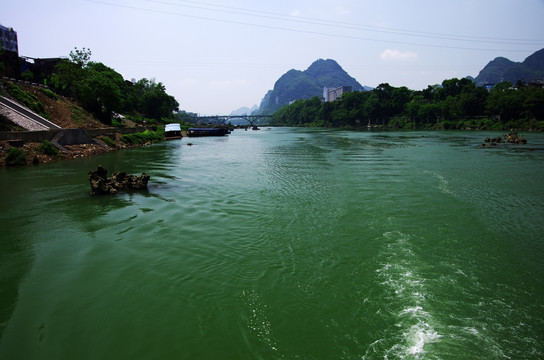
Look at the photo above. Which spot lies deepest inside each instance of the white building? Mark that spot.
(331, 94)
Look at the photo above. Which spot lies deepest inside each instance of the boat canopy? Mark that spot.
(172, 127)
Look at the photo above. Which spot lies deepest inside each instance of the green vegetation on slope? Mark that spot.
(143, 137)
(502, 69)
(103, 92)
(26, 98)
(455, 104)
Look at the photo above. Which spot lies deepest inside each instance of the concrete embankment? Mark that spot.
(23, 117)
(67, 136)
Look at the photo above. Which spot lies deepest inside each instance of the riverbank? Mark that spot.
(36, 153)
(81, 135)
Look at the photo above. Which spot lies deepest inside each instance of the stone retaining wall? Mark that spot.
(69, 136)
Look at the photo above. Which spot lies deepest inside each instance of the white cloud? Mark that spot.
(397, 55)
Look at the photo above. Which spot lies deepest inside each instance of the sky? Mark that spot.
(215, 56)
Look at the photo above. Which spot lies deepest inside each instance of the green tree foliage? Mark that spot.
(80, 57)
(504, 102)
(70, 71)
(27, 75)
(150, 99)
(100, 91)
(103, 91)
(456, 103)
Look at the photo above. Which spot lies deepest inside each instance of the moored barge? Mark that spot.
(207, 132)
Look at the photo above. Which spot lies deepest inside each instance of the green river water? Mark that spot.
(280, 244)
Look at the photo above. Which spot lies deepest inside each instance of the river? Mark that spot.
(280, 244)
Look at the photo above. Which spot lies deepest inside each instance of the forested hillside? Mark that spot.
(502, 69)
(455, 104)
(103, 92)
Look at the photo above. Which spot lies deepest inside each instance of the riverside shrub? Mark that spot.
(142, 138)
(48, 149)
(108, 141)
(15, 157)
(49, 93)
(31, 101)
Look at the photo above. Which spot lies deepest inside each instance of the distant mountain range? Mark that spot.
(244, 110)
(296, 84)
(501, 69)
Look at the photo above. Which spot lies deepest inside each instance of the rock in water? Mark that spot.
(119, 181)
(514, 138)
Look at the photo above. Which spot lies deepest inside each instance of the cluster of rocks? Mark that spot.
(512, 138)
(119, 181)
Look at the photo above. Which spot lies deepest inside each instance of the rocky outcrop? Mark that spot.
(119, 181)
(512, 138)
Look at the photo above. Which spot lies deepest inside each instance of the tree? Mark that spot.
(80, 57)
(399, 98)
(412, 108)
(100, 91)
(71, 71)
(371, 108)
(324, 114)
(533, 102)
(504, 102)
(453, 87)
(383, 92)
(472, 101)
(430, 112)
(449, 108)
(153, 101)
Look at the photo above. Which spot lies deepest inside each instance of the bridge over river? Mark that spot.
(221, 119)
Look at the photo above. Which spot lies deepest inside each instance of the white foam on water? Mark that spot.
(257, 320)
(414, 311)
(443, 184)
(372, 350)
(400, 276)
(472, 331)
(419, 335)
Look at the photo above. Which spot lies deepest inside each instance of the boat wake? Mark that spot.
(410, 326)
(443, 184)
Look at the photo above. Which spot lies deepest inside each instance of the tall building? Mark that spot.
(331, 94)
(8, 39)
(9, 53)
